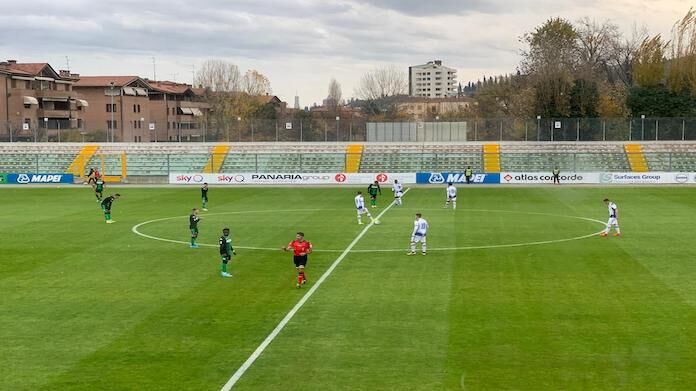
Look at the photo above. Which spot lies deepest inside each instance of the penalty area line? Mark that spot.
(260, 349)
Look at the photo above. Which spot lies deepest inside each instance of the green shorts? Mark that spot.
(225, 257)
(194, 231)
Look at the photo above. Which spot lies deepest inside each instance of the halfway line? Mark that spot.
(259, 350)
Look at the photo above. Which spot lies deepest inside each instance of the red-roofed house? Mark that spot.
(37, 102)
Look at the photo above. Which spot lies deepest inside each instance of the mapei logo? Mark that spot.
(340, 178)
(190, 178)
(381, 178)
(436, 177)
(508, 178)
(39, 178)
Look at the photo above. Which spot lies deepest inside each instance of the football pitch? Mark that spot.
(517, 291)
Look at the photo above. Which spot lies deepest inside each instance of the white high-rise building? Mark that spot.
(297, 102)
(432, 80)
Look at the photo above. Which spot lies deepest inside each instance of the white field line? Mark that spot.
(259, 350)
(490, 246)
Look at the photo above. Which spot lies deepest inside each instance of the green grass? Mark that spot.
(90, 306)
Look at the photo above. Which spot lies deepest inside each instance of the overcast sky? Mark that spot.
(299, 44)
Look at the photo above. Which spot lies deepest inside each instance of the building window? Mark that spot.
(110, 108)
(112, 125)
(138, 108)
(135, 109)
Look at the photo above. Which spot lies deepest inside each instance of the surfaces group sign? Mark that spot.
(25, 179)
(290, 178)
(636, 178)
(436, 178)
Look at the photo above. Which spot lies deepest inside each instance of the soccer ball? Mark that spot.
(378, 222)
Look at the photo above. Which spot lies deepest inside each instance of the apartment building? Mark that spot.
(134, 109)
(178, 111)
(432, 80)
(38, 103)
(119, 107)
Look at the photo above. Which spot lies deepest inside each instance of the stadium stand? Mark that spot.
(159, 159)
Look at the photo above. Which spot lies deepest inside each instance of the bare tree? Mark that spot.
(381, 83)
(596, 42)
(255, 83)
(624, 54)
(219, 76)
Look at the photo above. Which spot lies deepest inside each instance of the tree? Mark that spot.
(218, 75)
(649, 64)
(335, 95)
(255, 83)
(551, 62)
(682, 65)
(623, 56)
(553, 48)
(596, 43)
(382, 83)
(584, 98)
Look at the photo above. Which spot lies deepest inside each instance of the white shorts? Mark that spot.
(612, 221)
(398, 195)
(452, 198)
(362, 211)
(418, 238)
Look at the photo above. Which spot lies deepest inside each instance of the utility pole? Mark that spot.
(154, 69)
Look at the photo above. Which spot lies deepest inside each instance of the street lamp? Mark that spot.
(111, 125)
(642, 127)
(239, 130)
(83, 136)
(538, 127)
(46, 127)
(142, 120)
(338, 119)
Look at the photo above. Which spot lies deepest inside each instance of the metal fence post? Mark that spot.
(604, 130)
(657, 128)
(577, 130)
(630, 130)
(501, 130)
(301, 125)
(683, 129)
(526, 130)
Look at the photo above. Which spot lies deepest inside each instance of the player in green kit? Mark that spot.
(99, 189)
(106, 207)
(193, 226)
(226, 251)
(204, 197)
(373, 190)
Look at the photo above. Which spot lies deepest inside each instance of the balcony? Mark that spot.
(54, 94)
(41, 113)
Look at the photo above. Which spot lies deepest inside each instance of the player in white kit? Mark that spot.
(451, 196)
(360, 207)
(398, 190)
(613, 219)
(420, 230)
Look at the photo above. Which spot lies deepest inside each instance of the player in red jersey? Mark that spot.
(300, 248)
